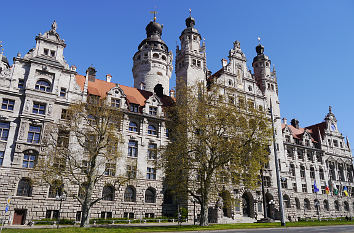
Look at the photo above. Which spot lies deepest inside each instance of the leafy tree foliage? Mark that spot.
(83, 149)
(213, 143)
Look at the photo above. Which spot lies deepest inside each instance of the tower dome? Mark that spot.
(152, 63)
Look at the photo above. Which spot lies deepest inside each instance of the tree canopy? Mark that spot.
(213, 143)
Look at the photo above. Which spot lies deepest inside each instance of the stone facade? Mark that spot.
(39, 86)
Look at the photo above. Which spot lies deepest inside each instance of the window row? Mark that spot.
(25, 188)
(316, 204)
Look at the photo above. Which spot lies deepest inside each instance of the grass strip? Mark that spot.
(141, 229)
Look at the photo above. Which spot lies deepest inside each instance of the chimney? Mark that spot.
(108, 78)
(91, 73)
(223, 62)
(295, 123)
(285, 121)
(172, 93)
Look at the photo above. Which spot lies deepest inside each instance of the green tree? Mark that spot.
(213, 143)
(83, 150)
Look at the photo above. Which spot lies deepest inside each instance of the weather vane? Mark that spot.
(259, 40)
(154, 12)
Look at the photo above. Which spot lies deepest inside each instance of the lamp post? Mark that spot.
(60, 198)
(193, 200)
(317, 205)
(280, 196)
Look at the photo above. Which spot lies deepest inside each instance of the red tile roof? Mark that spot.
(314, 130)
(134, 95)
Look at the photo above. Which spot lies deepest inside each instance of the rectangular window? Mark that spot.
(323, 189)
(133, 149)
(152, 151)
(134, 108)
(34, 134)
(110, 169)
(62, 92)
(52, 53)
(52, 214)
(38, 108)
(128, 215)
(284, 183)
(21, 83)
(46, 52)
(295, 187)
(131, 171)
(302, 171)
(267, 181)
(63, 138)
(29, 160)
(2, 157)
(64, 114)
(304, 188)
(4, 130)
(151, 173)
(153, 111)
(8, 104)
(300, 154)
(335, 143)
(115, 103)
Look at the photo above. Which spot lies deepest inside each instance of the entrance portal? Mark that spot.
(19, 217)
(247, 205)
(270, 207)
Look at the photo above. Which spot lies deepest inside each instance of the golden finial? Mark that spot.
(259, 40)
(1, 48)
(154, 12)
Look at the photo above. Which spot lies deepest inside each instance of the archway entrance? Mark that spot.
(270, 207)
(247, 205)
(227, 203)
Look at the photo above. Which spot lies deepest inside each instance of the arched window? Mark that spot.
(163, 57)
(307, 204)
(286, 201)
(336, 205)
(297, 202)
(56, 189)
(326, 205)
(43, 85)
(129, 194)
(150, 195)
(346, 206)
(133, 127)
(152, 130)
(108, 193)
(155, 55)
(24, 187)
(29, 159)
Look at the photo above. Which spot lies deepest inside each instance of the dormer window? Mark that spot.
(153, 111)
(115, 103)
(46, 52)
(43, 85)
(134, 108)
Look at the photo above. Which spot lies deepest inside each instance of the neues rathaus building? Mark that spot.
(37, 88)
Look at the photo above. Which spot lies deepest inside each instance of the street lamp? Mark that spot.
(271, 204)
(60, 198)
(193, 200)
(317, 205)
(280, 196)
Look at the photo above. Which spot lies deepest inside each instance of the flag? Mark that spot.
(315, 189)
(345, 191)
(7, 208)
(335, 191)
(327, 190)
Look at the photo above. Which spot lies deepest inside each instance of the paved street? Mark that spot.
(324, 229)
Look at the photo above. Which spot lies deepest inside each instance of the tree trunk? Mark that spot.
(85, 211)
(204, 221)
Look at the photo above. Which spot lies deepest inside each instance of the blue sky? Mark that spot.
(309, 42)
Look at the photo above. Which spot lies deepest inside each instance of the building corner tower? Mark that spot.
(152, 63)
(191, 57)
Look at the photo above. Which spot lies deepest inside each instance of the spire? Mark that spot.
(330, 109)
(190, 21)
(1, 48)
(154, 12)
